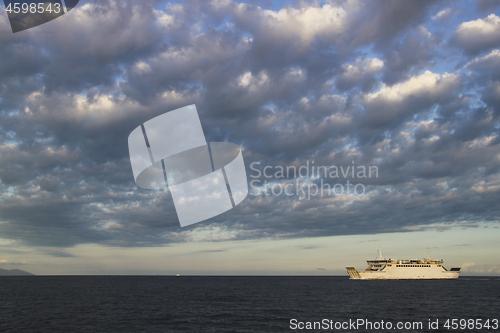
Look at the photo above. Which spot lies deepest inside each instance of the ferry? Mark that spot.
(393, 269)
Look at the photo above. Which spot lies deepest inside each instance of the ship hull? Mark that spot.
(404, 273)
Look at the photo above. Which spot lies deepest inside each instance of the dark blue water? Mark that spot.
(237, 304)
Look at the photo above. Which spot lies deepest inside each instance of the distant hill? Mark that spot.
(13, 272)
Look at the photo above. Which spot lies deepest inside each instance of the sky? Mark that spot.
(409, 90)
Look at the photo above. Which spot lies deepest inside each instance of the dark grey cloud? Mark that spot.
(382, 21)
(61, 254)
(334, 83)
(414, 53)
(485, 6)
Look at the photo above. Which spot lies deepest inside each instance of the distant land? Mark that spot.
(13, 272)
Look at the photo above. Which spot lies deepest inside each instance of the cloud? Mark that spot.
(478, 35)
(466, 265)
(362, 73)
(486, 5)
(416, 93)
(60, 254)
(443, 14)
(363, 83)
(211, 251)
(489, 61)
(6, 262)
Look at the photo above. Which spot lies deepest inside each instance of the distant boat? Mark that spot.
(392, 269)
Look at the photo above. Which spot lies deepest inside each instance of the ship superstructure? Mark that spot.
(387, 268)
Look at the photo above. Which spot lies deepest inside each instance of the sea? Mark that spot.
(246, 304)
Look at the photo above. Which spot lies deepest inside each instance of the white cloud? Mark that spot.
(253, 83)
(165, 20)
(371, 65)
(6, 262)
(475, 36)
(483, 26)
(428, 84)
(487, 62)
(415, 94)
(443, 14)
(141, 68)
(361, 71)
(306, 23)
